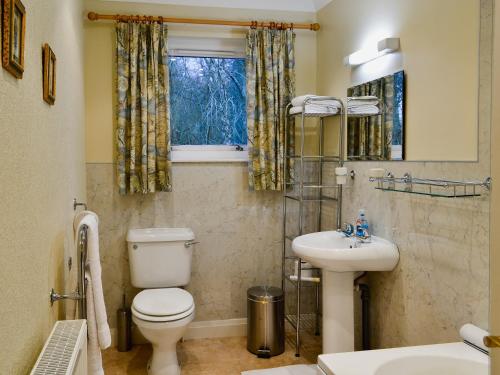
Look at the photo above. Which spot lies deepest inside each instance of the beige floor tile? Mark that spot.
(220, 356)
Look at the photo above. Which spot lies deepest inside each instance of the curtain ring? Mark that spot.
(291, 26)
(160, 19)
(253, 25)
(272, 25)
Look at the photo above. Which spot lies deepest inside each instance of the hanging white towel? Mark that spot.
(99, 333)
(94, 358)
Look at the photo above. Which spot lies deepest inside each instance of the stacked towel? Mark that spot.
(363, 105)
(319, 104)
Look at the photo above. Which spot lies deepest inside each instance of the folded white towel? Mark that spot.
(99, 333)
(362, 100)
(315, 109)
(363, 110)
(94, 357)
(319, 100)
(362, 97)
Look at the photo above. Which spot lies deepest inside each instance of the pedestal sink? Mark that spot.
(340, 257)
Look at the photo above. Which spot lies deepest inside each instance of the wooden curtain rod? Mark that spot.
(92, 16)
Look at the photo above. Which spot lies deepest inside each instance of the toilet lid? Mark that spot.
(163, 302)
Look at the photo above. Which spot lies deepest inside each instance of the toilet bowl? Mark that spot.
(162, 316)
(160, 263)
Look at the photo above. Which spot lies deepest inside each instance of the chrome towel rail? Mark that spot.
(80, 294)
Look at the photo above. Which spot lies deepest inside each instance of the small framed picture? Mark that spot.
(14, 29)
(49, 75)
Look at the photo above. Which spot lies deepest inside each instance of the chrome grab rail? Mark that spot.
(80, 293)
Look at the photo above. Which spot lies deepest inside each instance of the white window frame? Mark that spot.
(208, 153)
(208, 47)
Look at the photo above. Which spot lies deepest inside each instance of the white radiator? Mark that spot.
(65, 351)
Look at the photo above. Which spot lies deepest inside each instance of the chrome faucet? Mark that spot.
(351, 232)
(348, 230)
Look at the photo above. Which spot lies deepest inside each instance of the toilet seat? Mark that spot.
(162, 319)
(163, 305)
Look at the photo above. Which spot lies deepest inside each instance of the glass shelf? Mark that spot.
(361, 115)
(310, 199)
(305, 282)
(442, 194)
(312, 185)
(432, 187)
(317, 115)
(310, 158)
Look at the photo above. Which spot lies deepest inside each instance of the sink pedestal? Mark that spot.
(338, 312)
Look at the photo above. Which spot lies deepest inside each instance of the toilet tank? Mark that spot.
(160, 257)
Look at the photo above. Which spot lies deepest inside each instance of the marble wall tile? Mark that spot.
(239, 233)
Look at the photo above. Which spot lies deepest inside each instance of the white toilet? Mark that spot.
(160, 263)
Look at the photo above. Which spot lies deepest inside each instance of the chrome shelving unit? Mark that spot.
(302, 191)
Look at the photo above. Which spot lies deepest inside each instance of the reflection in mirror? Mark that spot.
(380, 136)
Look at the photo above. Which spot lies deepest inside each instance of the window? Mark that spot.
(207, 101)
(207, 105)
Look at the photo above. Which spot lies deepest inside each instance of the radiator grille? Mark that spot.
(61, 350)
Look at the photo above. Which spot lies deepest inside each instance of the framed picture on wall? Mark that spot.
(49, 74)
(13, 35)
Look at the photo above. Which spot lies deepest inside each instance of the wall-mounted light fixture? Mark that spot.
(362, 56)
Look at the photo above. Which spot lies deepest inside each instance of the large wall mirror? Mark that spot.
(378, 136)
(445, 47)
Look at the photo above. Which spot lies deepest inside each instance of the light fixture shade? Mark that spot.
(383, 47)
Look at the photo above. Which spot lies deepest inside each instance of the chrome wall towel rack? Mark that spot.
(80, 294)
(432, 187)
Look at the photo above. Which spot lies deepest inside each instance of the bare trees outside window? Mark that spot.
(207, 101)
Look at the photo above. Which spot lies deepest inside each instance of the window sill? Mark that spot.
(208, 154)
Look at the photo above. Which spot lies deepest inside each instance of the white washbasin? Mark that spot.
(441, 359)
(333, 251)
(340, 257)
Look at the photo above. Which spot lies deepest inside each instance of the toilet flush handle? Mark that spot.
(190, 243)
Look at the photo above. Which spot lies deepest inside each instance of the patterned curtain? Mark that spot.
(370, 138)
(270, 74)
(143, 132)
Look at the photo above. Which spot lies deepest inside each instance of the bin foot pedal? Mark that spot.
(264, 353)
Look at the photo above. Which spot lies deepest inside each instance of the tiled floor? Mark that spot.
(223, 356)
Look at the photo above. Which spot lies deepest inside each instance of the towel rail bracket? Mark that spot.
(54, 297)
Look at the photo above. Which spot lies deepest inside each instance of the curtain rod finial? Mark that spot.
(315, 26)
(92, 16)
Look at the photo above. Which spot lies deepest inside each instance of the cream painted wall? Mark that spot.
(100, 60)
(439, 53)
(43, 168)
